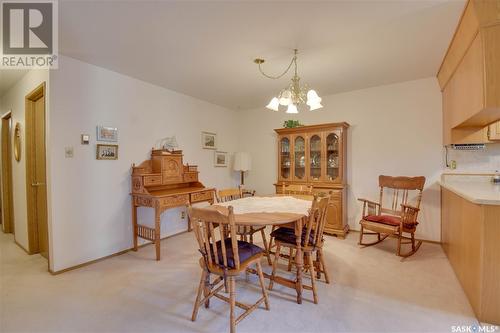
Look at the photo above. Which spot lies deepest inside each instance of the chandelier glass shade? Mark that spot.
(293, 95)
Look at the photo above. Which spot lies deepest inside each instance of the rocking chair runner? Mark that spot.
(400, 218)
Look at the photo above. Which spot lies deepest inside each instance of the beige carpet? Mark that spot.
(372, 291)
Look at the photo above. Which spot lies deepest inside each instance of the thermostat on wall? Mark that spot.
(85, 139)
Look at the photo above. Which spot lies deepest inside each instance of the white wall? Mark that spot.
(395, 130)
(91, 202)
(14, 100)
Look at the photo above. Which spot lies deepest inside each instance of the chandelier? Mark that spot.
(293, 95)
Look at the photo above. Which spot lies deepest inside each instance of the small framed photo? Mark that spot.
(220, 159)
(107, 134)
(107, 152)
(208, 140)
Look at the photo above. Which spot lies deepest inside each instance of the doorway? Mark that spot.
(7, 196)
(36, 189)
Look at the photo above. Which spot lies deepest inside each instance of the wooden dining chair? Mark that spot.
(245, 232)
(300, 191)
(399, 218)
(312, 241)
(225, 256)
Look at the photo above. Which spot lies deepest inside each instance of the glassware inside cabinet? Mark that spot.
(300, 158)
(332, 153)
(285, 158)
(315, 157)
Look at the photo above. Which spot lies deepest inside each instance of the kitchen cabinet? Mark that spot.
(494, 131)
(470, 237)
(470, 75)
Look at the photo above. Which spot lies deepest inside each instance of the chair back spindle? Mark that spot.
(215, 233)
(399, 190)
(229, 194)
(316, 221)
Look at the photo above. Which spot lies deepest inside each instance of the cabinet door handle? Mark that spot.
(37, 184)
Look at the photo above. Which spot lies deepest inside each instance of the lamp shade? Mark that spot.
(242, 161)
(273, 104)
(292, 109)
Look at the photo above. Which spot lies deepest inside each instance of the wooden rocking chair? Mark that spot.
(400, 218)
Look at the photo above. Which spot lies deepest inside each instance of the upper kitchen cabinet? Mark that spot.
(470, 75)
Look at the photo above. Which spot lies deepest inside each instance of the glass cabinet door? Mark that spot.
(299, 153)
(315, 162)
(332, 156)
(285, 160)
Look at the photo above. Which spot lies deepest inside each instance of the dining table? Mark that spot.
(279, 210)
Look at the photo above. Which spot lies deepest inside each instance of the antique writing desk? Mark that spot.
(161, 183)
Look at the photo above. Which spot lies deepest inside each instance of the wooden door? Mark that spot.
(316, 161)
(334, 219)
(284, 158)
(7, 199)
(299, 157)
(172, 169)
(36, 173)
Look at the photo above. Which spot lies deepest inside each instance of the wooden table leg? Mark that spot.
(157, 231)
(299, 259)
(134, 223)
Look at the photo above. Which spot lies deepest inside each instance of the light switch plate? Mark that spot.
(68, 152)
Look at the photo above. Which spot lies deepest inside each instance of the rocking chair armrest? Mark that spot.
(372, 207)
(368, 201)
(409, 214)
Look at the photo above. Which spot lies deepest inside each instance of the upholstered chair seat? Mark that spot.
(246, 251)
(287, 235)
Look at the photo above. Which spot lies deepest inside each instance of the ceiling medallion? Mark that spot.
(293, 95)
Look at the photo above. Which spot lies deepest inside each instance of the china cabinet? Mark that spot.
(316, 155)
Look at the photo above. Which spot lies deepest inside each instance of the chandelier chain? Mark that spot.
(293, 62)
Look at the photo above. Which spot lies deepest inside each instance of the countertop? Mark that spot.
(475, 188)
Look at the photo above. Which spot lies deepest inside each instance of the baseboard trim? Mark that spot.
(108, 256)
(22, 247)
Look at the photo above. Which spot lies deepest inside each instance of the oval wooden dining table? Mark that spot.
(258, 218)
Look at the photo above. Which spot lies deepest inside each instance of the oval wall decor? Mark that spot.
(17, 142)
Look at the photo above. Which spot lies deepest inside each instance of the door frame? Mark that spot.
(7, 187)
(30, 99)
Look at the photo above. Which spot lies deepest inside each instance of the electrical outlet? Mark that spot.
(183, 215)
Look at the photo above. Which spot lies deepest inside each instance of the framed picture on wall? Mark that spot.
(220, 159)
(208, 140)
(107, 152)
(107, 134)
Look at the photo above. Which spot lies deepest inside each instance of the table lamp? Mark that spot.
(242, 163)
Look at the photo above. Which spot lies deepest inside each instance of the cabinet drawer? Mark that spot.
(191, 177)
(201, 196)
(175, 200)
(152, 180)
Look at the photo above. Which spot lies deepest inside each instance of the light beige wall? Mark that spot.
(395, 130)
(13, 100)
(91, 215)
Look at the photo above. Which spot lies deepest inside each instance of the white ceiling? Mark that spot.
(8, 77)
(206, 49)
